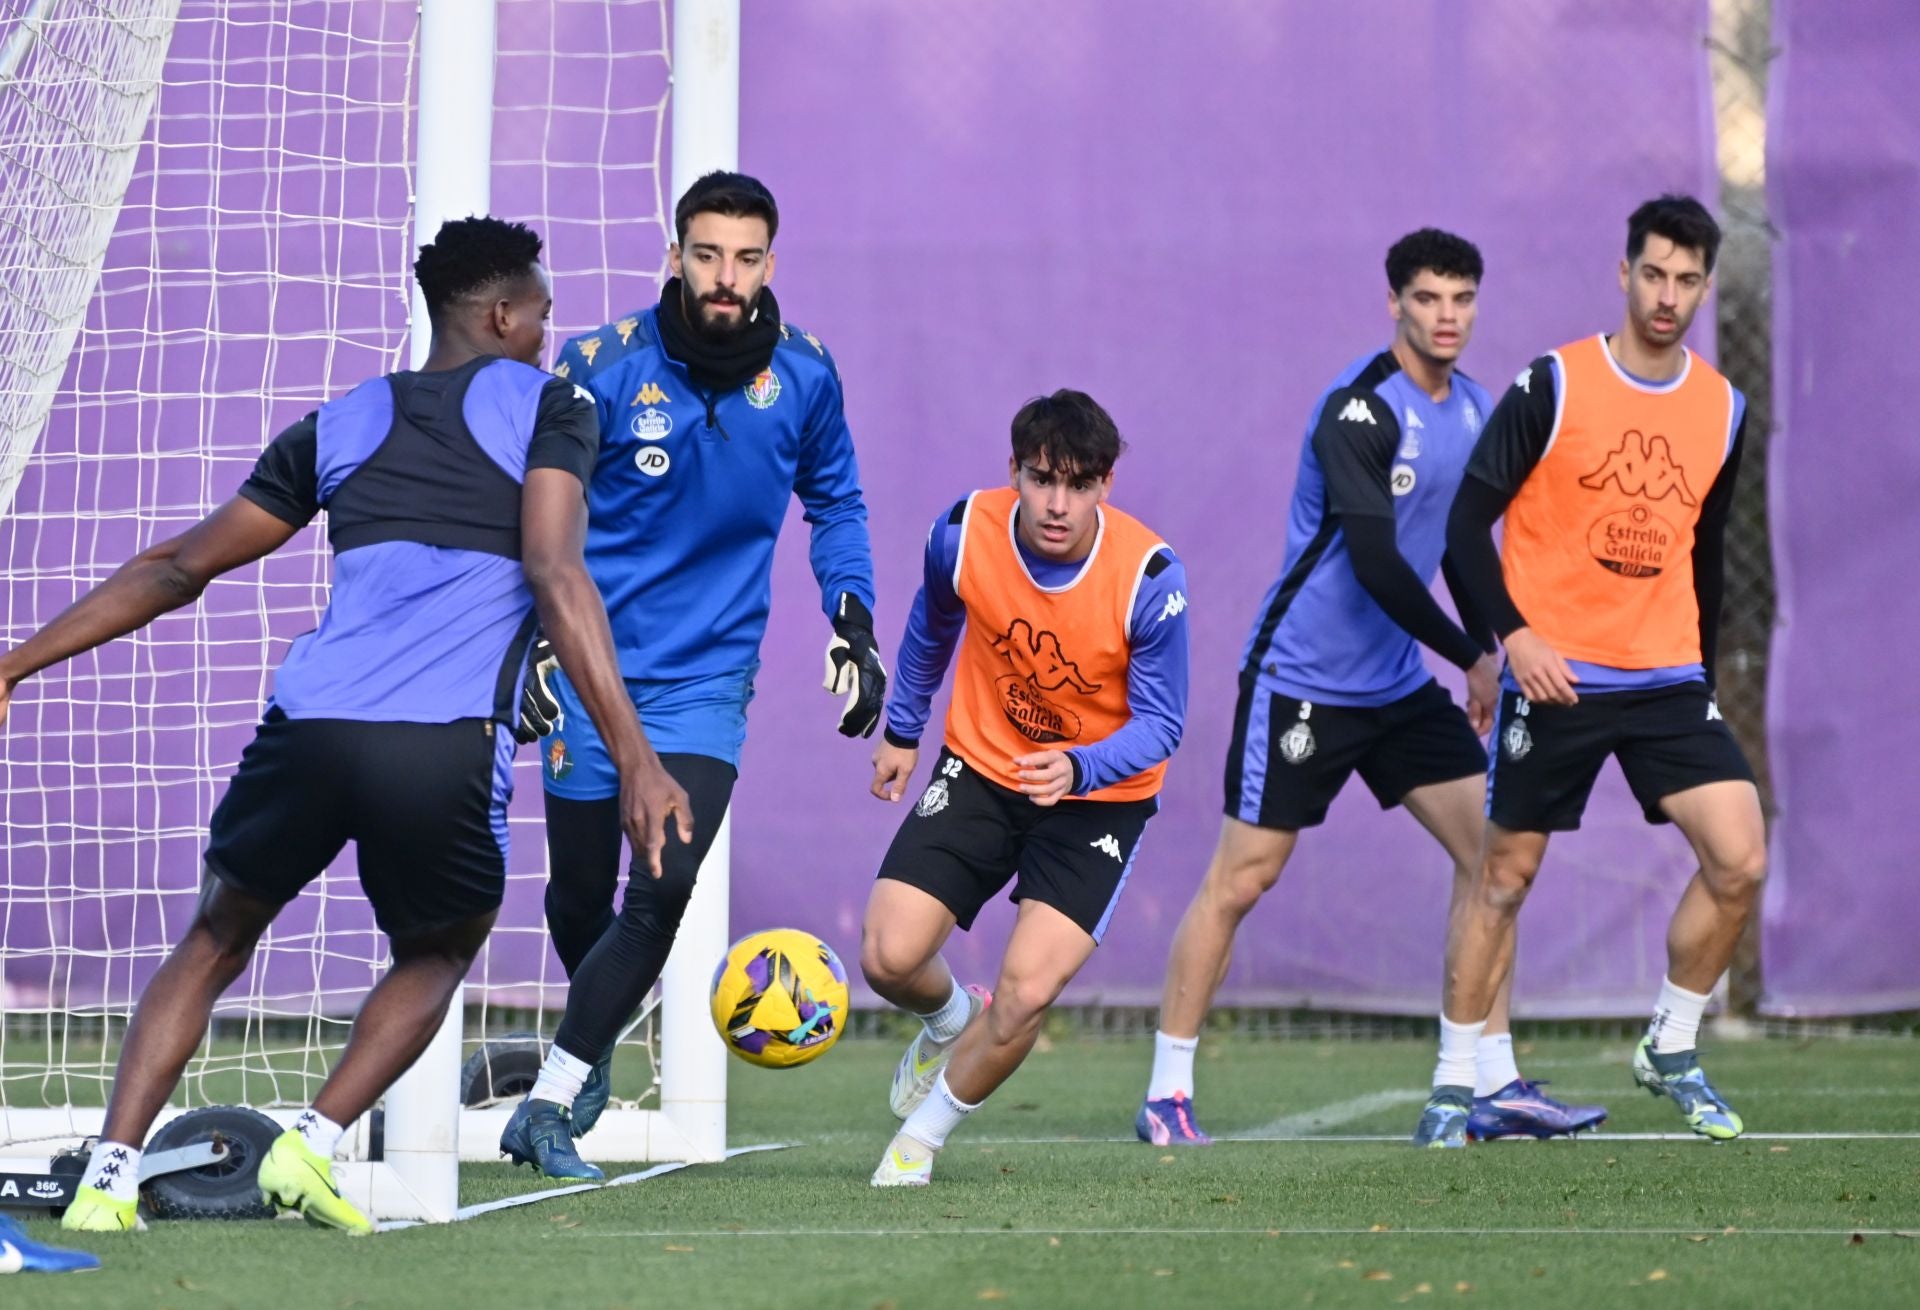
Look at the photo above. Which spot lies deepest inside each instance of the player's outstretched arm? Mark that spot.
(159, 579)
(553, 535)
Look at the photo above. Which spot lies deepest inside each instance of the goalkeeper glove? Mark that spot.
(539, 707)
(854, 669)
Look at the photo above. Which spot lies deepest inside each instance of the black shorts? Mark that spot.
(968, 837)
(1290, 758)
(1546, 757)
(424, 803)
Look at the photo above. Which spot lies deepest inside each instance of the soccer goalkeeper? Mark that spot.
(454, 496)
(715, 413)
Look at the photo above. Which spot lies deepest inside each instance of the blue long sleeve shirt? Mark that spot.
(691, 487)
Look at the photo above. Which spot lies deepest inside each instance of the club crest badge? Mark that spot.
(933, 799)
(1516, 740)
(1297, 743)
(763, 390)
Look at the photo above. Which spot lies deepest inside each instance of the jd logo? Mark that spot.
(1643, 466)
(652, 461)
(1039, 666)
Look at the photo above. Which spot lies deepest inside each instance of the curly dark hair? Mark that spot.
(1443, 252)
(469, 255)
(1681, 220)
(734, 194)
(1077, 437)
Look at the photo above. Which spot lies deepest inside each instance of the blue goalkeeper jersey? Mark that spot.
(1378, 445)
(421, 476)
(691, 487)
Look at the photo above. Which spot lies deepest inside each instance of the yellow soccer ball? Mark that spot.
(780, 998)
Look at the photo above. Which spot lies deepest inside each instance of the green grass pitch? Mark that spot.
(1039, 1201)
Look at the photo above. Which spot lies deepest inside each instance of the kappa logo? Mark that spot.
(1108, 846)
(581, 393)
(652, 461)
(1525, 380)
(563, 369)
(588, 349)
(1038, 659)
(1713, 712)
(764, 389)
(1039, 666)
(652, 424)
(1403, 479)
(1176, 605)
(1642, 466)
(649, 394)
(1357, 412)
(625, 328)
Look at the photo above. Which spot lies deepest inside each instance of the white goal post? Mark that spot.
(45, 1035)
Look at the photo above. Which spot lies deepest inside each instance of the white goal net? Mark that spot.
(205, 232)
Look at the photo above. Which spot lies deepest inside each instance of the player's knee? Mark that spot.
(1236, 886)
(1505, 880)
(223, 947)
(1737, 875)
(887, 962)
(654, 906)
(1019, 1004)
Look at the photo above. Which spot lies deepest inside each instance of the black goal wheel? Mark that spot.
(229, 1188)
(504, 1068)
(69, 1164)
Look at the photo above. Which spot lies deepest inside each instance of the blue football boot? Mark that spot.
(1170, 1121)
(1521, 1109)
(541, 1135)
(1679, 1075)
(20, 1254)
(1443, 1124)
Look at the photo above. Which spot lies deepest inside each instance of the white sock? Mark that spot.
(323, 1134)
(114, 1168)
(1493, 1064)
(1172, 1066)
(937, 1116)
(561, 1078)
(947, 1022)
(1458, 1044)
(1676, 1018)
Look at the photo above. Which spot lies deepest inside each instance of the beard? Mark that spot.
(715, 327)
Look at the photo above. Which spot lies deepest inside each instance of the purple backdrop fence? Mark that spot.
(1184, 218)
(1844, 185)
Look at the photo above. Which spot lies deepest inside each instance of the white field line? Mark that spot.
(1304, 1122)
(1602, 1135)
(810, 1234)
(466, 1212)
